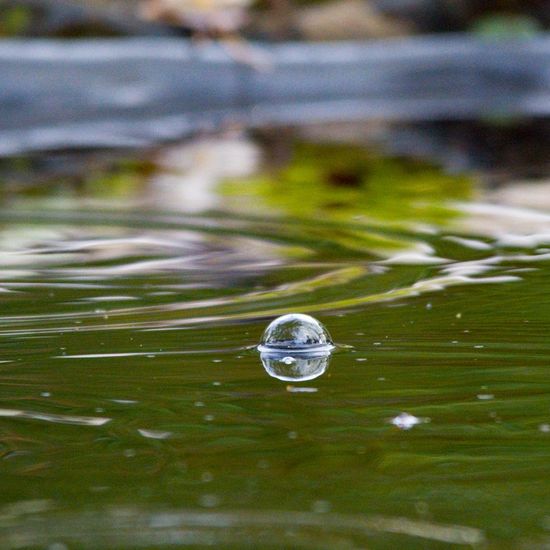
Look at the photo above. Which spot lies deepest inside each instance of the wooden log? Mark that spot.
(135, 92)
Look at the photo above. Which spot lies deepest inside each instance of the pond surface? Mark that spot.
(135, 411)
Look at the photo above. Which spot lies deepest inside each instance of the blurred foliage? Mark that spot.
(95, 176)
(14, 20)
(339, 181)
(506, 26)
(123, 180)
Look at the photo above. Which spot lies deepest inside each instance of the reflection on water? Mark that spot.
(134, 527)
(190, 173)
(134, 411)
(295, 368)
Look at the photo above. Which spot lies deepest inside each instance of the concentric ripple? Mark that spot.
(135, 410)
(155, 272)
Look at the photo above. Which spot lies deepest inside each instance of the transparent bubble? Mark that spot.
(298, 368)
(297, 333)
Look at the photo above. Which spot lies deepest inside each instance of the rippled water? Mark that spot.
(135, 410)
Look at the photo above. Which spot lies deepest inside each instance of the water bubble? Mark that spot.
(406, 421)
(485, 396)
(297, 332)
(295, 348)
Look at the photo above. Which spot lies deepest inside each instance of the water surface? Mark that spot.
(135, 411)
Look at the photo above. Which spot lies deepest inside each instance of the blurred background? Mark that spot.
(499, 139)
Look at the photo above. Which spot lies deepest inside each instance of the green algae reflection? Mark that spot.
(339, 182)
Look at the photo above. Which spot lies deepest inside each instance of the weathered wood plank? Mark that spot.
(132, 92)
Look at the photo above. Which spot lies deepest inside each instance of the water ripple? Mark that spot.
(56, 418)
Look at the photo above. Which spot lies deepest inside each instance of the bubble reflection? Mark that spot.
(296, 368)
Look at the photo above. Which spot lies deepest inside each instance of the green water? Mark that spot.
(136, 413)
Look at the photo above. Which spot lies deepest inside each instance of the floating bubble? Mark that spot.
(297, 333)
(406, 421)
(303, 366)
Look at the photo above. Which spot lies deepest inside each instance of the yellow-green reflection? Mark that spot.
(339, 182)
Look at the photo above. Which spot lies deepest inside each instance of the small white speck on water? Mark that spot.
(422, 508)
(209, 501)
(45, 394)
(485, 396)
(300, 389)
(360, 333)
(199, 404)
(321, 506)
(216, 383)
(458, 315)
(151, 356)
(99, 410)
(381, 379)
(292, 435)
(206, 477)
(479, 346)
(361, 359)
(209, 417)
(544, 428)
(454, 342)
(429, 305)
(406, 421)
(129, 453)
(217, 360)
(377, 343)
(154, 434)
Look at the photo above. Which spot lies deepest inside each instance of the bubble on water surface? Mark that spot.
(297, 332)
(295, 348)
(406, 421)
